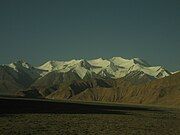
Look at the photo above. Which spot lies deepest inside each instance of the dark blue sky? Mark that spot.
(41, 30)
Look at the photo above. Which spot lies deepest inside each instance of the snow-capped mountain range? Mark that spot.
(20, 75)
(109, 80)
(115, 67)
(22, 66)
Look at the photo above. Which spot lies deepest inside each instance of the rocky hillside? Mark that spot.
(165, 91)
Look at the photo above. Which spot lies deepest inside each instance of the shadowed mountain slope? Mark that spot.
(17, 76)
(165, 91)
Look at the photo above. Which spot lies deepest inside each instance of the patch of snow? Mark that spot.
(13, 66)
(100, 62)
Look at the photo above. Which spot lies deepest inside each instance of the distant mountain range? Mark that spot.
(115, 67)
(111, 80)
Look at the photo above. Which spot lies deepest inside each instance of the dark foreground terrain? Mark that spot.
(22, 116)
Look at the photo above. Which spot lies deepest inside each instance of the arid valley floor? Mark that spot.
(76, 119)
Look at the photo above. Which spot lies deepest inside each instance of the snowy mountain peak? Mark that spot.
(115, 67)
(19, 64)
(24, 68)
(119, 60)
(51, 65)
(100, 62)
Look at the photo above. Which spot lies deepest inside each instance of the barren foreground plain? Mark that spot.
(41, 117)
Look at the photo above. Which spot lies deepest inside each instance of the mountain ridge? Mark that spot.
(115, 67)
(108, 78)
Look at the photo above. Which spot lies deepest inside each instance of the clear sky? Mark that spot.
(41, 30)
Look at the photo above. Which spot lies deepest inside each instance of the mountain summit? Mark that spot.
(115, 67)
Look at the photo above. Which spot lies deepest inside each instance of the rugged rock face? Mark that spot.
(55, 78)
(17, 76)
(67, 91)
(8, 83)
(76, 89)
(165, 91)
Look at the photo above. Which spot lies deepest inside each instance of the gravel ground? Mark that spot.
(128, 122)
